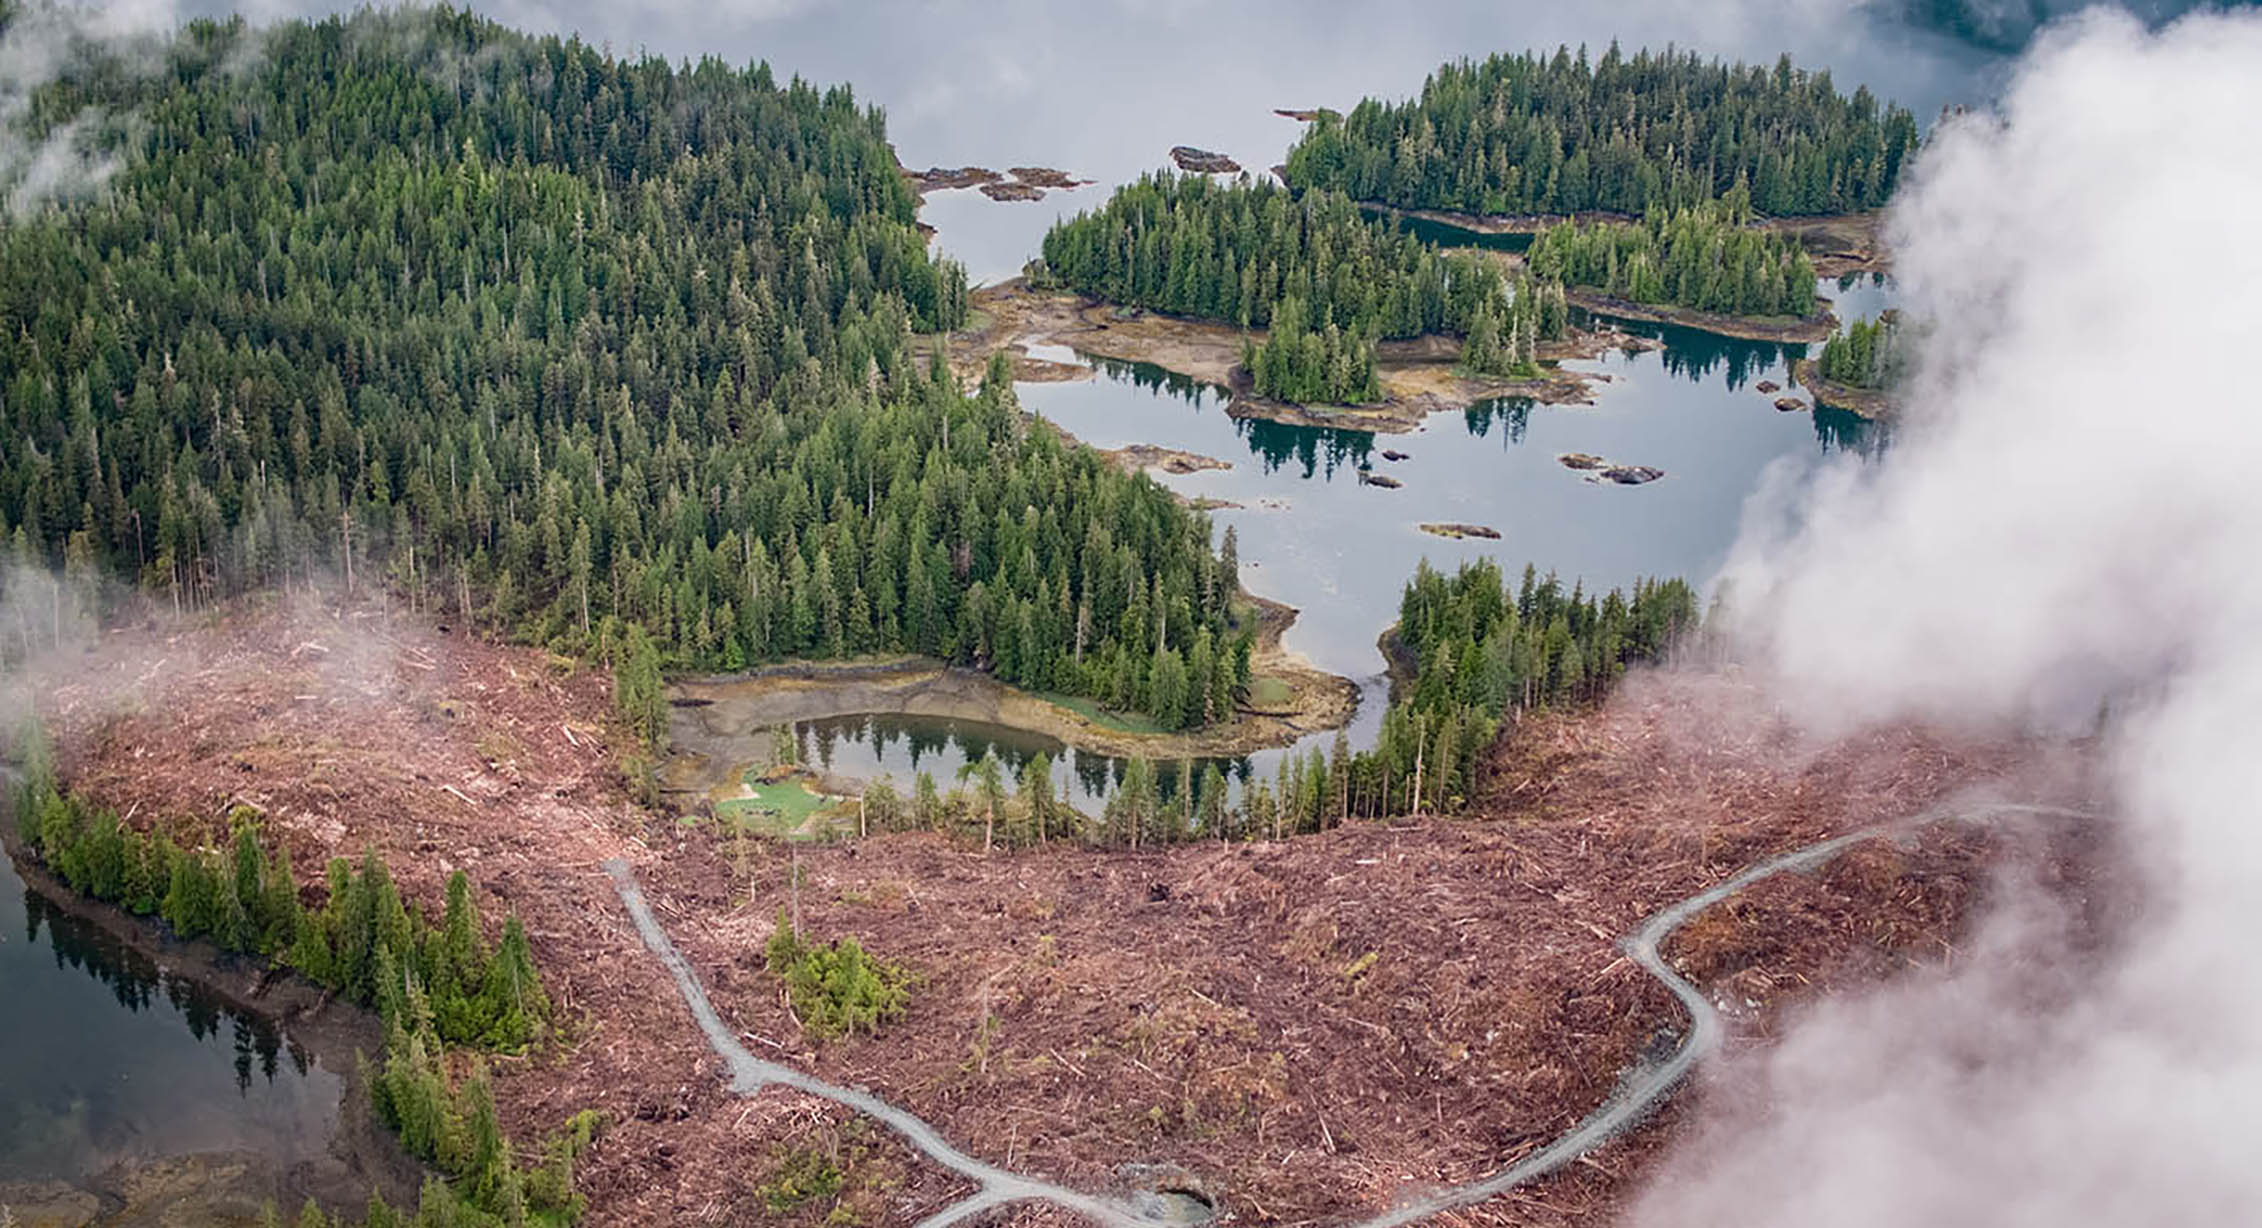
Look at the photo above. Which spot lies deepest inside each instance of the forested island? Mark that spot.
(1556, 134)
(1859, 362)
(561, 343)
(1324, 277)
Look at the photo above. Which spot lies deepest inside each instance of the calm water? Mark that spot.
(106, 1058)
(1311, 534)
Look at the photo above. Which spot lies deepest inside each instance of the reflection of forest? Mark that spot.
(137, 983)
(908, 745)
(1277, 446)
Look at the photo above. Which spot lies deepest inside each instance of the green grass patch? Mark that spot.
(780, 809)
(1270, 692)
(1090, 709)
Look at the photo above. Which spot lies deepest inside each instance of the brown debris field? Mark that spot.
(1311, 1027)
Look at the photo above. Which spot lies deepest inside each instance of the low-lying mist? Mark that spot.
(2063, 539)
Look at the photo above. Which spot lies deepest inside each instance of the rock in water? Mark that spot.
(1582, 460)
(1632, 475)
(1789, 405)
(1766, 387)
(1011, 190)
(1203, 161)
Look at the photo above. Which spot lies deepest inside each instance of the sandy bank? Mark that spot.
(1870, 403)
(1812, 329)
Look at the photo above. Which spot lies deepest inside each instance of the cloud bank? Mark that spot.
(2067, 528)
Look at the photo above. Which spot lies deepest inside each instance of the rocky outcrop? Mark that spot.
(1631, 475)
(1202, 161)
(1459, 531)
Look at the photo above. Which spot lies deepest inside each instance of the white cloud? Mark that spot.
(2069, 519)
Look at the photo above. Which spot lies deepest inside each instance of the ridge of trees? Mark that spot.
(554, 341)
(1706, 258)
(1556, 134)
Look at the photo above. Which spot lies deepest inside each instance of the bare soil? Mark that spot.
(1169, 460)
(351, 730)
(1307, 1025)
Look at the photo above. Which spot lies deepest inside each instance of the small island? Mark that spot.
(1338, 320)
(1459, 531)
(1858, 363)
(1169, 460)
(1601, 469)
(1705, 267)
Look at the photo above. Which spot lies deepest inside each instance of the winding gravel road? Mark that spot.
(1637, 1096)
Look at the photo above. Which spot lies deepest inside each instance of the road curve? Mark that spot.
(1637, 1096)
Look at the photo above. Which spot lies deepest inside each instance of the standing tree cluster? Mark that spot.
(1235, 251)
(1504, 334)
(1296, 362)
(1864, 353)
(1526, 134)
(1706, 258)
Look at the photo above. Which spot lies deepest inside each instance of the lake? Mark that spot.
(1311, 534)
(109, 1059)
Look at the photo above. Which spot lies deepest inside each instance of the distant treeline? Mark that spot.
(1531, 134)
(1706, 258)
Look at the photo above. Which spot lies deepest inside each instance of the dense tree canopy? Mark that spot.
(1864, 353)
(1235, 251)
(1707, 258)
(1529, 133)
(1323, 276)
(548, 338)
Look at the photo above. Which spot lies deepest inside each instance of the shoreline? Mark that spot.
(1419, 375)
(1808, 331)
(795, 691)
(1870, 404)
(1837, 243)
(334, 1035)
